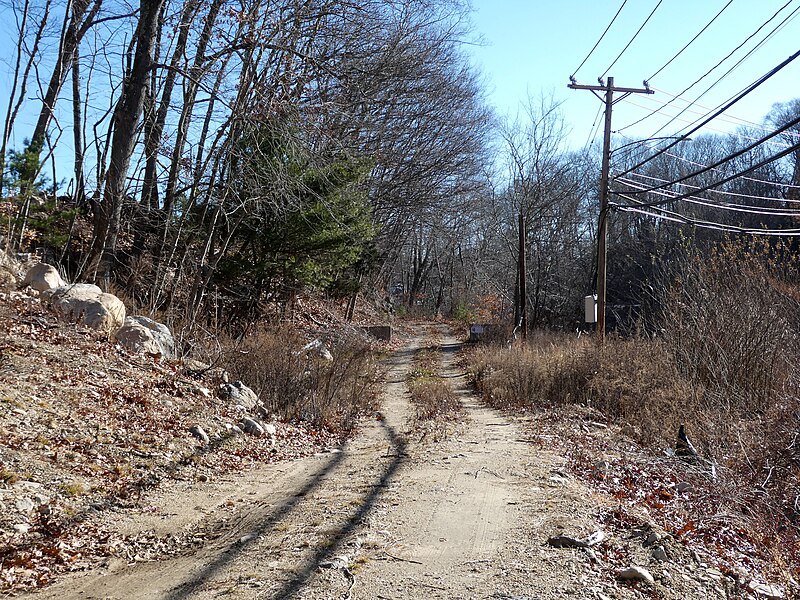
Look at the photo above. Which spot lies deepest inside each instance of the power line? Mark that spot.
(749, 89)
(699, 33)
(666, 215)
(724, 180)
(731, 156)
(715, 129)
(727, 206)
(633, 38)
(595, 128)
(753, 179)
(735, 66)
(712, 69)
(624, 2)
(724, 193)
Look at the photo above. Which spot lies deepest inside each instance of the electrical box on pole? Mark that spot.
(590, 308)
(602, 229)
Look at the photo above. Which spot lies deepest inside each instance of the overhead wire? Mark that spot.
(667, 215)
(595, 129)
(694, 39)
(791, 16)
(725, 193)
(635, 35)
(712, 69)
(726, 206)
(726, 179)
(583, 62)
(733, 155)
(748, 90)
(733, 119)
(716, 129)
(698, 164)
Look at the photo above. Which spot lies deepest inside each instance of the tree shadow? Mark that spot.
(397, 451)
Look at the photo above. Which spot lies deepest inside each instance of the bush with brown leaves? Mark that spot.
(298, 385)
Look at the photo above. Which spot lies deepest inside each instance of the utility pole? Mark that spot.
(602, 227)
(523, 292)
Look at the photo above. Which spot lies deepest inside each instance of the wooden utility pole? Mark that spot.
(523, 292)
(602, 227)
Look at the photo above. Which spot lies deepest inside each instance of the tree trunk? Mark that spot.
(126, 117)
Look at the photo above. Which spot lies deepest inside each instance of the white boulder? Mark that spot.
(144, 335)
(239, 393)
(88, 304)
(42, 277)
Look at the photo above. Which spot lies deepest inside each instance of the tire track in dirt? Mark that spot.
(390, 516)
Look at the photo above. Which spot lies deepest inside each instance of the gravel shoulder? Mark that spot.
(390, 515)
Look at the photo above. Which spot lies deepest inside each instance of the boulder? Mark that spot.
(252, 427)
(86, 303)
(239, 393)
(42, 277)
(144, 335)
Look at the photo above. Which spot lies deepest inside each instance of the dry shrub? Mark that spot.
(723, 362)
(303, 386)
(630, 381)
(433, 399)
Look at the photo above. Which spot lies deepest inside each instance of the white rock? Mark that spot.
(635, 574)
(22, 528)
(86, 303)
(252, 427)
(766, 590)
(270, 429)
(42, 277)
(144, 335)
(659, 554)
(239, 393)
(25, 504)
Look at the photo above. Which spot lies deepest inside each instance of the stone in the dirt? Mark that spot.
(563, 541)
(252, 427)
(144, 335)
(233, 429)
(239, 393)
(659, 554)
(42, 277)
(634, 573)
(25, 504)
(683, 447)
(270, 429)
(199, 433)
(684, 487)
(86, 303)
(652, 538)
(765, 590)
(22, 528)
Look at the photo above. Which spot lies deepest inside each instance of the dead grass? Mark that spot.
(305, 386)
(435, 404)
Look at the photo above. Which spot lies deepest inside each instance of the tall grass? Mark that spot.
(722, 359)
(303, 386)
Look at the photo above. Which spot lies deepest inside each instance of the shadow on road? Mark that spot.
(270, 520)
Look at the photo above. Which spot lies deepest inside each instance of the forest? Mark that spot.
(216, 163)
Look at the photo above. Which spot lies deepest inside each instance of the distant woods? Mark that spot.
(220, 157)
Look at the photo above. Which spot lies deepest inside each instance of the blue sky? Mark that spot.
(533, 46)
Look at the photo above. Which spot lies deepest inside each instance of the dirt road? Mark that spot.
(386, 516)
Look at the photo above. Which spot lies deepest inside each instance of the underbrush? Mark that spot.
(435, 404)
(324, 391)
(722, 363)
